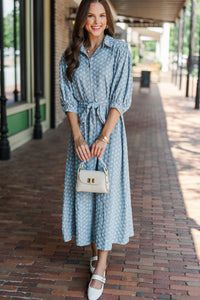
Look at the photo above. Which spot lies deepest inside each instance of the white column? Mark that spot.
(164, 47)
(158, 50)
(129, 35)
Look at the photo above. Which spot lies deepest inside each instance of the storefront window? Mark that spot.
(14, 51)
(39, 46)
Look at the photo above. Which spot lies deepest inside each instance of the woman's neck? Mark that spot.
(96, 41)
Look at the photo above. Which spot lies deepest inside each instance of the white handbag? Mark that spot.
(92, 181)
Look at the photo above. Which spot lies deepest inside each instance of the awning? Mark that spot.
(153, 11)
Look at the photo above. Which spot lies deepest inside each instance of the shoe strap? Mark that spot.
(95, 276)
(94, 258)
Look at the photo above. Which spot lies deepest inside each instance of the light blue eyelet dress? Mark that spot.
(102, 81)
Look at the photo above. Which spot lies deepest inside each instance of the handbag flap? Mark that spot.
(91, 177)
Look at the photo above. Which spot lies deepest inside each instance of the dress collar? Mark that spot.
(108, 41)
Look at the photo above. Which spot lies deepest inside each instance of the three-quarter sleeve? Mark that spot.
(68, 102)
(122, 84)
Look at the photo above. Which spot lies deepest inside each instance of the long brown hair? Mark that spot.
(80, 34)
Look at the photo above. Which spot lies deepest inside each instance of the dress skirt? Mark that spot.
(100, 218)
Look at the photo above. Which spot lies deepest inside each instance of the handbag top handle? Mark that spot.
(104, 166)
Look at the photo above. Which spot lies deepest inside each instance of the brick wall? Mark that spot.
(62, 38)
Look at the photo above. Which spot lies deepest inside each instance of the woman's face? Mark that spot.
(96, 20)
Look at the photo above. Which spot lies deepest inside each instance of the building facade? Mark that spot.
(35, 34)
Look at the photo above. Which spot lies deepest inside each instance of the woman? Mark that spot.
(96, 89)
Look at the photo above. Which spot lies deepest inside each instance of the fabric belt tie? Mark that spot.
(91, 109)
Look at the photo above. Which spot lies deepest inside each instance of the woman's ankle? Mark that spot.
(100, 269)
(94, 249)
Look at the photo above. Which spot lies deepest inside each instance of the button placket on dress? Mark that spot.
(91, 108)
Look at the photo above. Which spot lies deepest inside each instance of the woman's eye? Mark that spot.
(102, 16)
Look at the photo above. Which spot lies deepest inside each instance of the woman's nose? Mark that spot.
(97, 20)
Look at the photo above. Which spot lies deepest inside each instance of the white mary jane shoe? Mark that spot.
(94, 258)
(94, 294)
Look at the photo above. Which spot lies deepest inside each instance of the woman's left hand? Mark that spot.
(98, 148)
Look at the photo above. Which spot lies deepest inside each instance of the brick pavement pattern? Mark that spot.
(160, 262)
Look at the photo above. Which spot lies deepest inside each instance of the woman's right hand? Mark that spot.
(82, 149)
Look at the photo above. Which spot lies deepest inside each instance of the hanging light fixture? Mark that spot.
(72, 16)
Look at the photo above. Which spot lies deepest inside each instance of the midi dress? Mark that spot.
(101, 82)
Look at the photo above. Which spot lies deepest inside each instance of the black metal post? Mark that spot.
(191, 47)
(53, 125)
(37, 133)
(22, 42)
(15, 49)
(4, 143)
(178, 50)
(198, 88)
(182, 49)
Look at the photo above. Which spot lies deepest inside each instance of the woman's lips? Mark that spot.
(96, 27)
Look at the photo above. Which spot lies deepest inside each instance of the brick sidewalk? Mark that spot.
(160, 262)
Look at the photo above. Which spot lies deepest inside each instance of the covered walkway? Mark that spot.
(160, 262)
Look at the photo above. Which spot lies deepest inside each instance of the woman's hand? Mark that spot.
(98, 148)
(82, 149)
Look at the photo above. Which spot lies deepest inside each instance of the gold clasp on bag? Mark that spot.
(90, 180)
